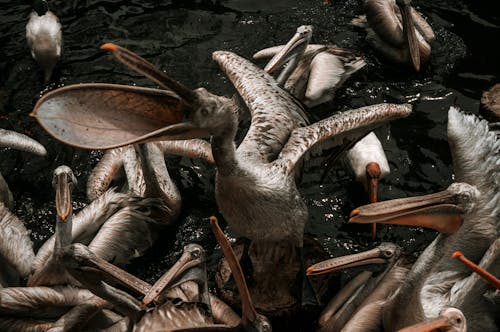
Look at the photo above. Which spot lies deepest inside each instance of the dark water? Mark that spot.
(179, 37)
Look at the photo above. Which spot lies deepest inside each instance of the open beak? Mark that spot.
(438, 211)
(292, 48)
(188, 260)
(64, 206)
(373, 256)
(409, 31)
(105, 116)
(144, 67)
(436, 325)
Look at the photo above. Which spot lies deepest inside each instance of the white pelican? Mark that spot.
(181, 293)
(116, 227)
(397, 31)
(312, 72)
(366, 289)
(255, 183)
(467, 214)
(44, 36)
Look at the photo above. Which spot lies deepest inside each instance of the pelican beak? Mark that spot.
(64, 206)
(372, 176)
(189, 259)
(410, 34)
(248, 310)
(438, 211)
(373, 256)
(476, 268)
(303, 35)
(436, 325)
(144, 67)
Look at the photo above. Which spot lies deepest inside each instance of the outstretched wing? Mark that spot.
(338, 129)
(275, 113)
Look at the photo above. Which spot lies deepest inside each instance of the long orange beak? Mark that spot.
(64, 204)
(479, 270)
(372, 176)
(436, 325)
(438, 211)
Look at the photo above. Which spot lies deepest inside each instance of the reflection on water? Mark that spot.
(179, 37)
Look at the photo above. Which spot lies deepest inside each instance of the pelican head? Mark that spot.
(63, 182)
(441, 211)
(384, 253)
(205, 114)
(293, 49)
(449, 320)
(193, 255)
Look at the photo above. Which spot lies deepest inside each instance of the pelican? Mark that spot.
(369, 164)
(467, 215)
(312, 72)
(18, 141)
(366, 290)
(116, 227)
(44, 36)
(180, 306)
(256, 190)
(397, 31)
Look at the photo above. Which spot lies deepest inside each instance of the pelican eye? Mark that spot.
(388, 253)
(195, 254)
(204, 112)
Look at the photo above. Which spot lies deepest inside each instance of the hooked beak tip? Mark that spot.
(63, 216)
(456, 254)
(310, 271)
(213, 220)
(354, 213)
(109, 47)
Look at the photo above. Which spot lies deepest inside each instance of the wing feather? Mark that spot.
(335, 130)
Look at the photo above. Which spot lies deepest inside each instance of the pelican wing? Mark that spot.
(338, 129)
(275, 113)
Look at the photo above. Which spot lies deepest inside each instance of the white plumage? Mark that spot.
(365, 151)
(44, 36)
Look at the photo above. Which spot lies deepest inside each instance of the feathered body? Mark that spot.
(44, 36)
(436, 280)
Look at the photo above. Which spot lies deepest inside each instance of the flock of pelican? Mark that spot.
(76, 282)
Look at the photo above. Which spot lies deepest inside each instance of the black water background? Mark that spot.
(179, 37)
